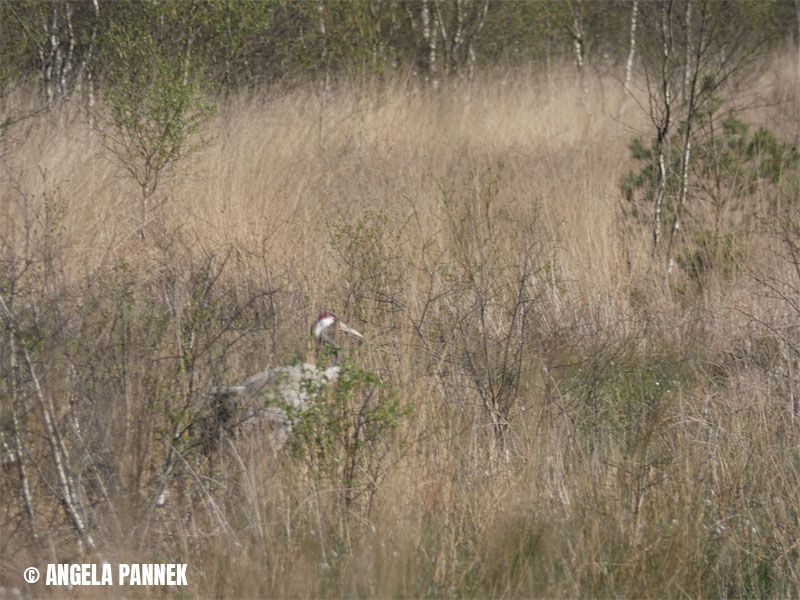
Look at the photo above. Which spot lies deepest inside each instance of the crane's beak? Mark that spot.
(347, 329)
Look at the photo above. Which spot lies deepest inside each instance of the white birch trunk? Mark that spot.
(664, 126)
(67, 491)
(429, 34)
(579, 46)
(458, 35)
(324, 51)
(676, 223)
(19, 453)
(66, 62)
(631, 47)
(689, 92)
(659, 200)
(687, 70)
(86, 66)
(49, 58)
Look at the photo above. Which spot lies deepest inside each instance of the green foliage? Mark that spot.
(710, 253)
(731, 170)
(155, 109)
(248, 42)
(636, 394)
(152, 97)
(642, 181)
(624, 396)
(345, 433)
(41, 40)
(230, 31)
(639, 151)
(741, 162)
(360, 245)
(771, 156)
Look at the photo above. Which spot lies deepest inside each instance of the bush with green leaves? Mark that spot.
(709, 252)
(153, 103)
(345, 434)
(733, 160)
(734, 173)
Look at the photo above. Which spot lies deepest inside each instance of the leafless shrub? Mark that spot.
(477, 318)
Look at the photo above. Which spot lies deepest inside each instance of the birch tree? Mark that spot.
(661, 110)
(631, 46)
(460, 22)
(697, 48)
(428, 23)
(68, 493)
(58, 38)
(155, 107)
(690, 70)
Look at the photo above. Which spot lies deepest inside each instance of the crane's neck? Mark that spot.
(328, 352)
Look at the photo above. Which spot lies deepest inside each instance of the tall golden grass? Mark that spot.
(652, 446)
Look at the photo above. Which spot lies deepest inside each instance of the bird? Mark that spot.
(276, 396)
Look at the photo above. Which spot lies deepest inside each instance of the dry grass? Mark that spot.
(651, 447)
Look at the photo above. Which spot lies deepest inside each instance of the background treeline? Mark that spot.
(71, 47)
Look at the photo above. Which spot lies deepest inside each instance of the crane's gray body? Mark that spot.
(292, 386)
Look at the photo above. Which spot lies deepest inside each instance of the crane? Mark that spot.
(274, 396)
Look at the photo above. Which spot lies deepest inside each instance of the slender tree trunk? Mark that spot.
(430, 35)
(659, 198)
(471, 59)
(458, 57)
(690, 93)
(65, 68)
(90, 71)
(323, 33)
(481, 17)
(676, 221)
(187, 49)
(85, 68)
(631, 47)
(579, 46)
(687, 70)
(49, 58)
(19, 453)
(665, 119)
(67, 491)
